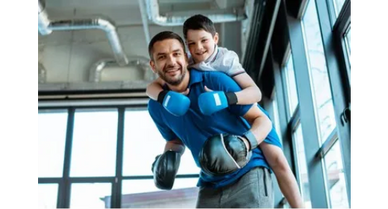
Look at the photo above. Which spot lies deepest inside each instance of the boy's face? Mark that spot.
(201, 44)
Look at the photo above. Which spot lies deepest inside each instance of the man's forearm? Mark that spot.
(175, 145)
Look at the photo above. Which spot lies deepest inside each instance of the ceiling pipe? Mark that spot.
(97, 23)
(43, 20)
(136, 61)
(46, 26)
(217, 16)
(144, 19)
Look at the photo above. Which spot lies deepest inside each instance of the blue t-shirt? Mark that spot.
(194, 128)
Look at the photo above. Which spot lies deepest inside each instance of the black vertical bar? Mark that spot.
(64, 191)
(269, 20)
(251, 59)
(117, 184)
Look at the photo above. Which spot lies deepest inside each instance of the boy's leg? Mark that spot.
(286, 179)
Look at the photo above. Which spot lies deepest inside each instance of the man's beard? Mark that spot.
(172, 81)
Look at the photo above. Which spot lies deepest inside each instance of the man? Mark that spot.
(234, 172)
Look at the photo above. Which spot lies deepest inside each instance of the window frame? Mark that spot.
(65, 181)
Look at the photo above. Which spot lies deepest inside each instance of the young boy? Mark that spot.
(201, 39)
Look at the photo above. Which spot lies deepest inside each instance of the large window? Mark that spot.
(335, 177)
(276, 119)
(91, 155)
(291, 86)
(302, 166)
(338, 6)
(142, 138)
(94, 143)
(318, 73)
(142, 143)
(52, 138)
(48, 194)
(347, 44)
(90, 195)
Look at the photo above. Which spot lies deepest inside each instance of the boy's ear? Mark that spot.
(216, 38)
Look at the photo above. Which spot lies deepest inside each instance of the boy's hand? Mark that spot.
(214, 101)
(174, 102)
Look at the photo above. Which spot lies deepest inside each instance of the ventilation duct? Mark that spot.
(45, 27)
(98, 23)
(141, 62)
(43, 21)
(217, 16)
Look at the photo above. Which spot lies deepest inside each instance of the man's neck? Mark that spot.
(183, 85)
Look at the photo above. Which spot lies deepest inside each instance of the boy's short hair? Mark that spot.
(198, 22)
(163, 36)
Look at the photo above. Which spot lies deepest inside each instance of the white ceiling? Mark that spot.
(68, 56)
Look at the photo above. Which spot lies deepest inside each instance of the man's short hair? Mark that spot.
(198, 22)
(163, 36)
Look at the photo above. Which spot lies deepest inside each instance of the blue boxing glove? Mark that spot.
(214, 101)
(175, 103)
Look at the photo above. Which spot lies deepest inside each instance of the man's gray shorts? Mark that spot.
(253, 190)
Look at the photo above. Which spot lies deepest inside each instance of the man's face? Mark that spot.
(169, 61)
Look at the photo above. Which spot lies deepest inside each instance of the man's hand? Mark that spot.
(225, 153)
(165, 168)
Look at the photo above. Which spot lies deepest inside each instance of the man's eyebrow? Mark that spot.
(164, 53)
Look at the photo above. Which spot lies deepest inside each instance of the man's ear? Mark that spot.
(216, 38)
(152, 64)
